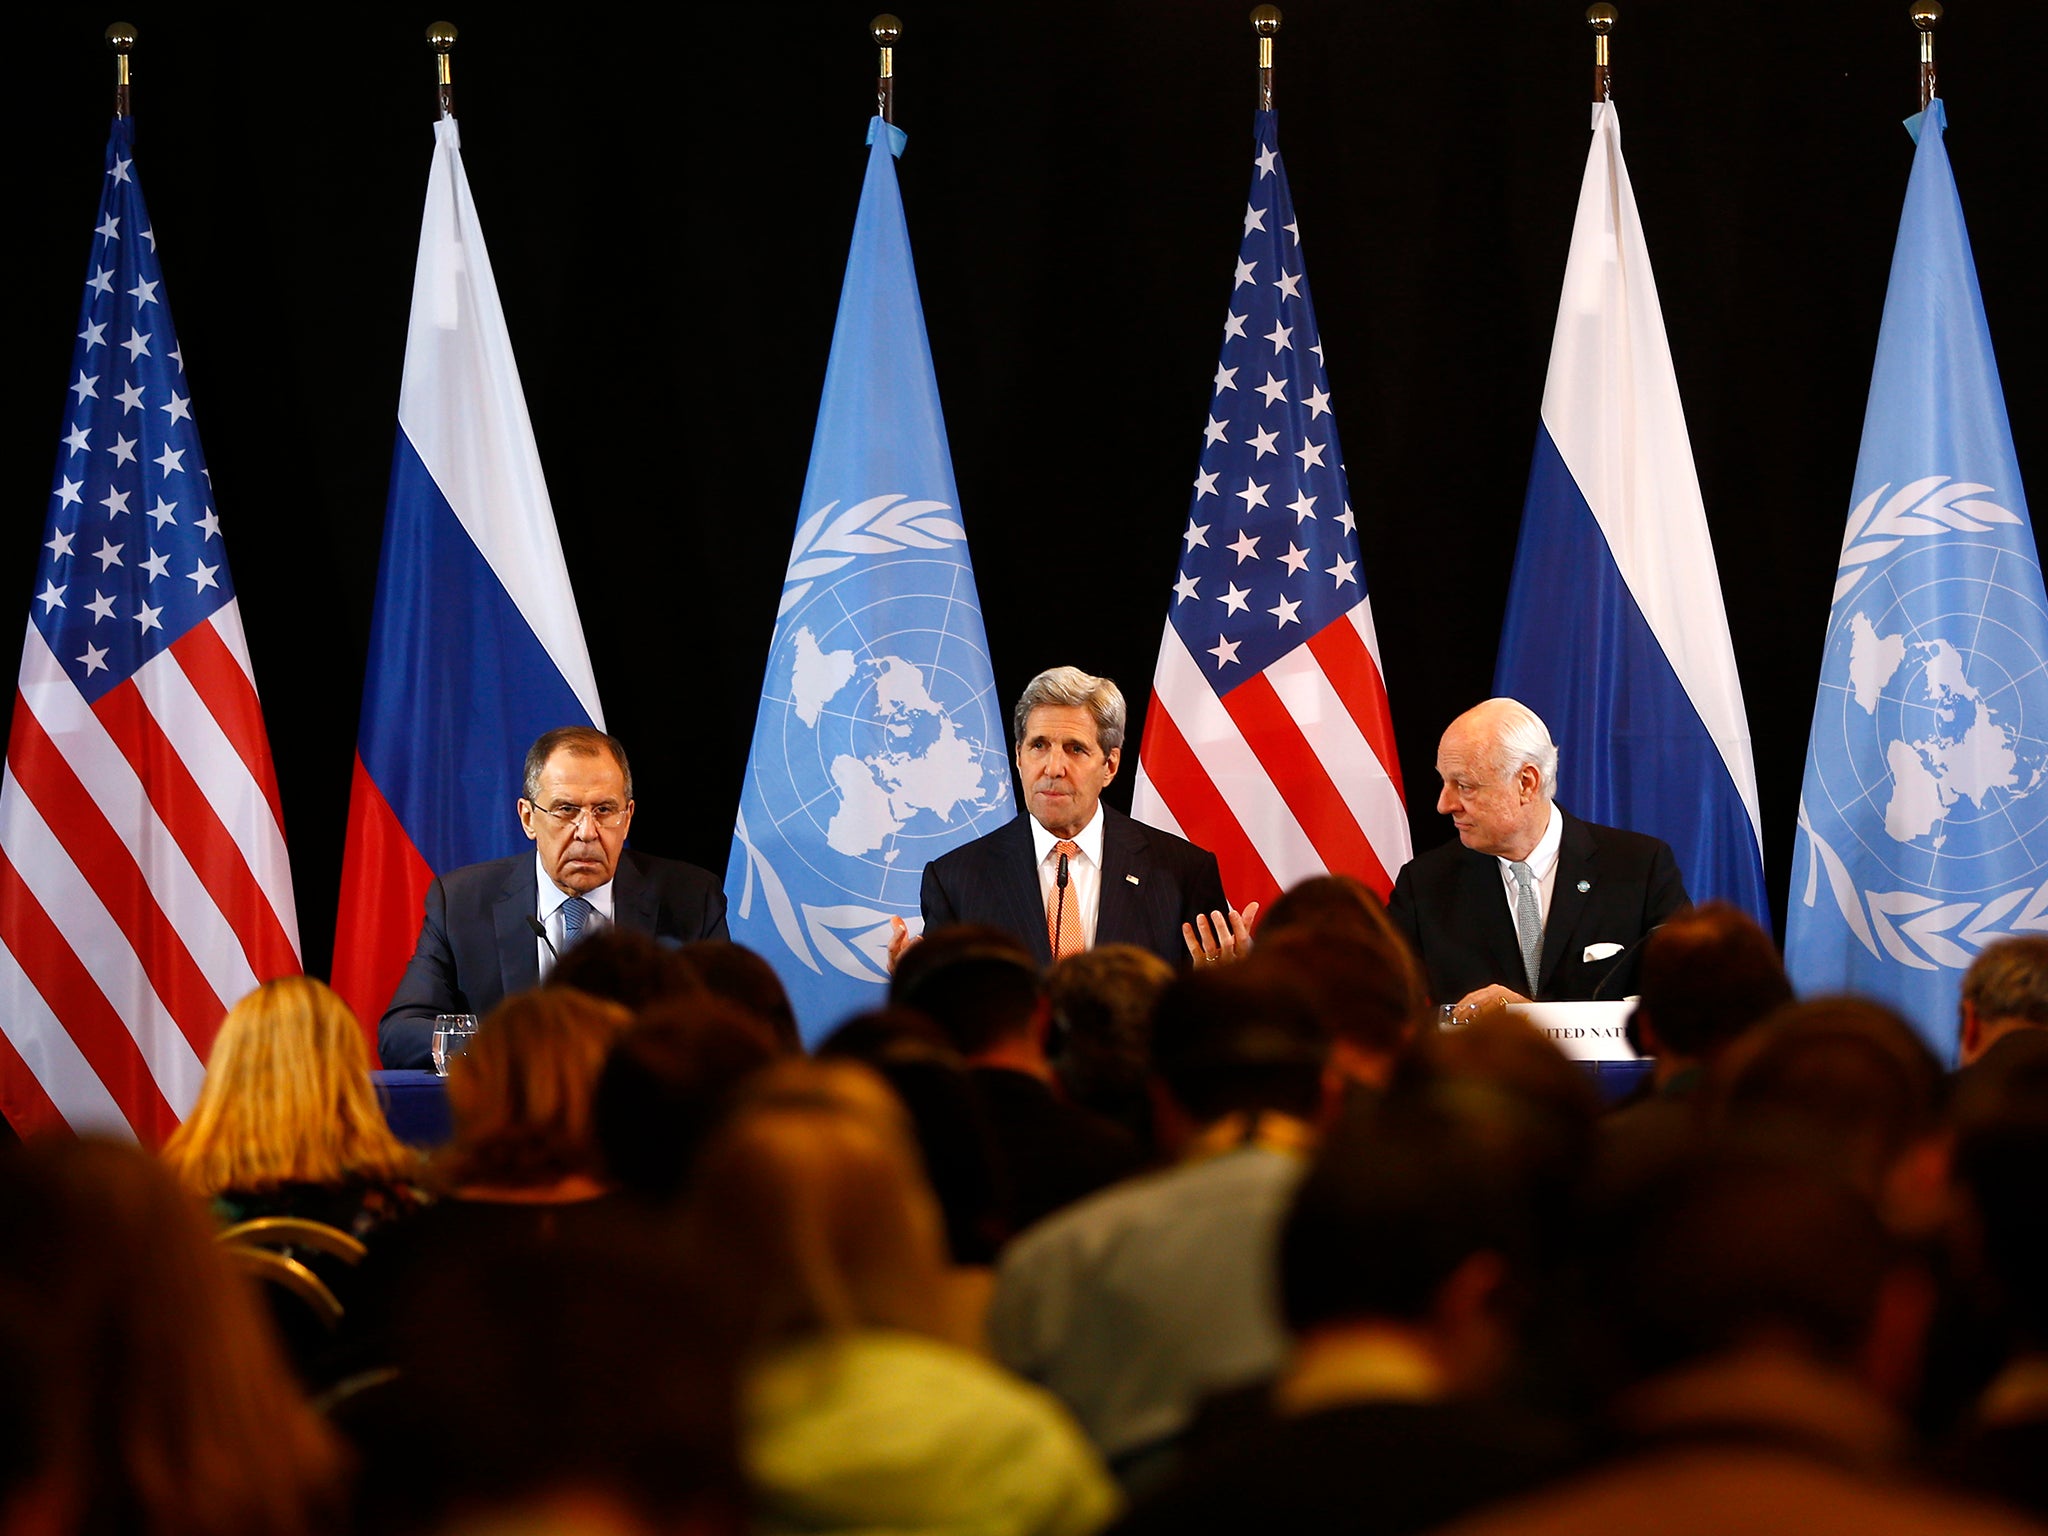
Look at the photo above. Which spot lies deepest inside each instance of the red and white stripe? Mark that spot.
(1291, 774)
(143, 882)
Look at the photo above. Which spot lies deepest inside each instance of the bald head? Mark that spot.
(1499, 769)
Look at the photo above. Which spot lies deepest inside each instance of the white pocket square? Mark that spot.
(1601, 952)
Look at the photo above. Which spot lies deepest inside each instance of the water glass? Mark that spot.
(451, 1038)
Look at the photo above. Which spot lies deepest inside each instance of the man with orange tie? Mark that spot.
(1073, 873)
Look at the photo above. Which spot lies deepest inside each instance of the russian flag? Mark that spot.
(475, 645)
(1615, 632)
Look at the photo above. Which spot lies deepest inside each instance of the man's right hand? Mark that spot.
(900, 940)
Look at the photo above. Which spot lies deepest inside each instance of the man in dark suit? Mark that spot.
(1073, 862)
(489, 927)
(1530, 903)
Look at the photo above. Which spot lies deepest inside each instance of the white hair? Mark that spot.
(1071, 688)
(1522, 738)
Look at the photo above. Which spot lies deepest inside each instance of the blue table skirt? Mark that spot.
(416, 1104)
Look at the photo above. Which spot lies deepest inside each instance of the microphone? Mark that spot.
(1059, 910)
(540, 931)
(1619, 963)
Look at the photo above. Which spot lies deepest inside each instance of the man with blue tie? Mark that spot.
(493, 929)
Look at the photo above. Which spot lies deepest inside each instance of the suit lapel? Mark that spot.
(518, 952)
(1016, 877)
(636, 900)
(1567, 900)
(1119, 908)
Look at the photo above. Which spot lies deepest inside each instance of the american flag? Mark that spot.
(143, 879)
(1268, 740)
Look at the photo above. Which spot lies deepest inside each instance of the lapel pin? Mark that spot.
(1585, 886)
(1131, 879)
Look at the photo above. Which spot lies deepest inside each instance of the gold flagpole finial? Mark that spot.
(1266, 22)
(121, 38)
(1600, 18)
(885, 29)
(1926, 16)
(441, 38)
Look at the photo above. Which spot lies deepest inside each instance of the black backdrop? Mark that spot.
(668, 198)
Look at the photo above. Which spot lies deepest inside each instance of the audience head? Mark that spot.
(742, 977)
(287, 1098)
(664, 1085)
(978, 984)
(1225, 1041)
(1416, 1213)
(2005, 989)
(627, 967)
(1363, 983)
(521, 1094)
(958, 1146)
(2001, 1166)
(1847, 1078)
(172, 1412)
(1707, 975)
(812, 1200)
(1102, 1001)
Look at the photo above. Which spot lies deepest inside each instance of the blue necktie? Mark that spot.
(575, 913)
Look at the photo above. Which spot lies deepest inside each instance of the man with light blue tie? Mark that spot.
(1530, 903)
(495, 928)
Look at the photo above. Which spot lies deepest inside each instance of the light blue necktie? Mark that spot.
(575, 913)
(1528, 921)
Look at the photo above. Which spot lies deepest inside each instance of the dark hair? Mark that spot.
(739, 975)
(1226, 1040)
(1847, 1076)
(2009, 980)
(1102, 1001)
(1365, 986)
(627, 967)
(664, 1085)
(583, 741)
(978, 984)
(1708, 975)
(1398, 1197)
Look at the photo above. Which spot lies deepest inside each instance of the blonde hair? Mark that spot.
(287, 1098)
(814, 1201)
(521, 1095)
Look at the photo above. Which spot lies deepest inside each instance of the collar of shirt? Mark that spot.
(1542, 862)
(1084, 870)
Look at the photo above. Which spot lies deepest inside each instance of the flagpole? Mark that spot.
(441, 38)
(1266, 22)
(885, 29)
(1600, 18)
(1926, 16)
(121, 38)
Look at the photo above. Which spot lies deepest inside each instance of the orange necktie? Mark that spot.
(1063, 908)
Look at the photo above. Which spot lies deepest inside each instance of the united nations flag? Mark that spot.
(880, 743)
(1923, 821)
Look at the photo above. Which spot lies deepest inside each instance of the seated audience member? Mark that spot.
(524, 1164)
(167, 1410)
(740, 976)
(627, 967)
(980, 986)
(287, 1121)
(1102, 1003)
(668, 1080)
(1365, 986)
(1326, 901)
(958, 1145)
(1708, 976)
(1852, 1081)
(2001, 1167)
(1403, 1266)
(856, 1413)
(2005, 992)
(1137, 1303)
(584, 1386)
(1765, 1328)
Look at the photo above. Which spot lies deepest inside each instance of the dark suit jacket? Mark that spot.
(476, 948)
(1612, 887)
(1152, 882)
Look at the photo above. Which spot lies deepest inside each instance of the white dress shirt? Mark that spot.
(548, 908)
(1542, 862)
(1084, 872)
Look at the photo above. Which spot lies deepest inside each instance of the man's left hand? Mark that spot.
(1214, 937)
